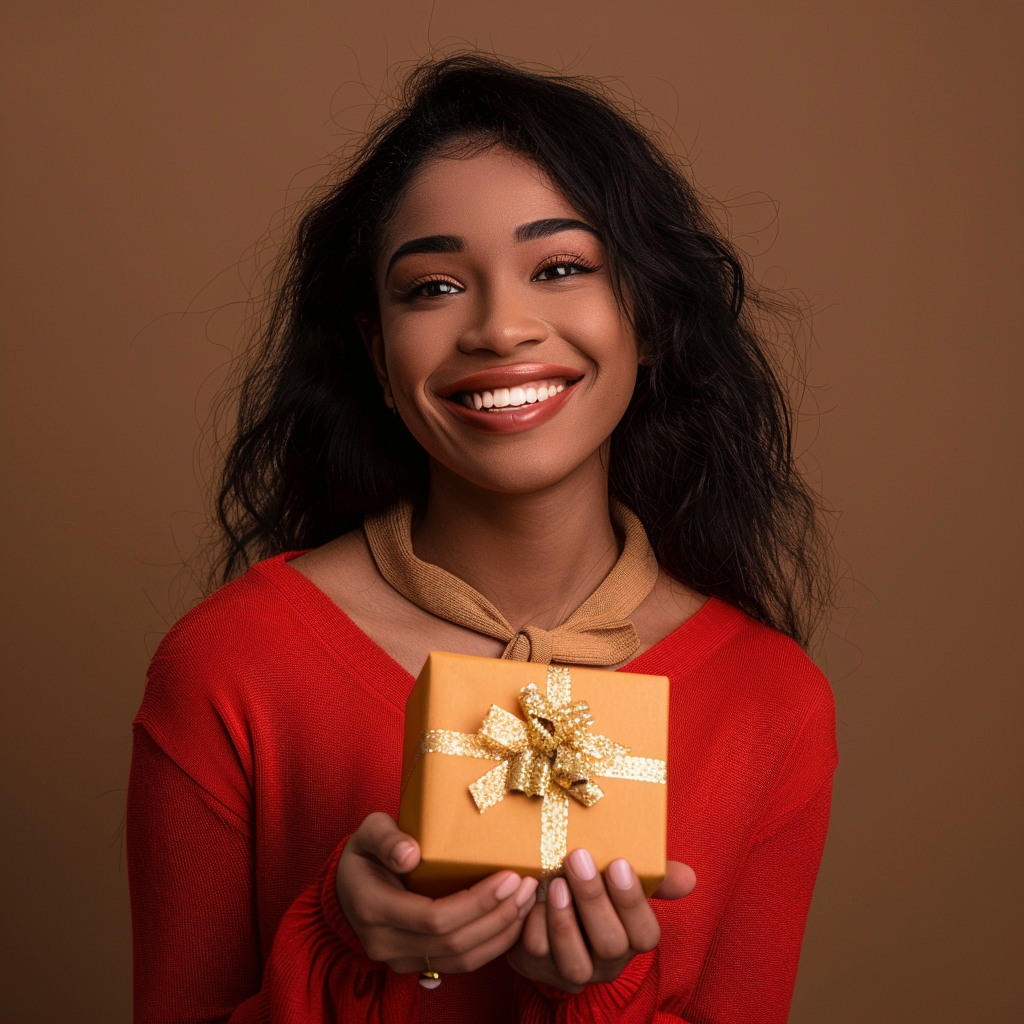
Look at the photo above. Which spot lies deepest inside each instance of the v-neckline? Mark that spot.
(685, 647)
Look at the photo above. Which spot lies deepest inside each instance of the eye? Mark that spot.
(564, 266)
(432, 289)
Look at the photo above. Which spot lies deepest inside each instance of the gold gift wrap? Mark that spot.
(510, 764)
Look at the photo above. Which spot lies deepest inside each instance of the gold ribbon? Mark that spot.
(550, 753)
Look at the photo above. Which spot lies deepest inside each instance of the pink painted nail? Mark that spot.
(508, 885)
(527, 887)
(558, 894)
(620, 874)
(582, 865)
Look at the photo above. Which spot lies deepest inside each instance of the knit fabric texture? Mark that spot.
(597, 633)
(272, 726)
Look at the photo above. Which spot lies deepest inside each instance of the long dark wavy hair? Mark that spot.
(704, 453)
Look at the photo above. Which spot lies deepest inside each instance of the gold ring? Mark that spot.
(429, 978)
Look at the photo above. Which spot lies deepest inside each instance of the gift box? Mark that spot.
(511, 764)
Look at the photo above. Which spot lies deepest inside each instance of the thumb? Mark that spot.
(679, 882)
(380, 837)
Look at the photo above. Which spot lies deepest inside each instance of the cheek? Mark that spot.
(599, 329)
(407, 355)
(625, 381)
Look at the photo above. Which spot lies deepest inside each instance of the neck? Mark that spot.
(537, 557)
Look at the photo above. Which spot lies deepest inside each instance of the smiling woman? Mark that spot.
(513, 368)
(488, 302)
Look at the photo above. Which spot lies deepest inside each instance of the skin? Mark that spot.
(523, 517)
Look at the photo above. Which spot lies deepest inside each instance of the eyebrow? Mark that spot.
(428, 244)
(551, 226)
(431, 244)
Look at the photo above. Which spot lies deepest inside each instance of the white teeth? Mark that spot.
(514, 397)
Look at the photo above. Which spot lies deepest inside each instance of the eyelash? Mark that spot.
(568, 259)
(581, 264)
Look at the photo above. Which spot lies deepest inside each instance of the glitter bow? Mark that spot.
(550, 753)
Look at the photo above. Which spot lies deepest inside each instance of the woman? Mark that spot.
(509, 349)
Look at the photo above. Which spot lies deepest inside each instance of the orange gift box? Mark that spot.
(588, 744)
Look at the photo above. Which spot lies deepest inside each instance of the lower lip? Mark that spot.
(512, 421)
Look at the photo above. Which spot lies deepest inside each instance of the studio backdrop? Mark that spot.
(866, 159)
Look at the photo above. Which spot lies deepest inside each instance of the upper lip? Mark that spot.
(508, 376)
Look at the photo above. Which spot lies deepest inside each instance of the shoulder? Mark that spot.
(738, 659)
(764, 665)
(754, 695)
(219, 660)
(225, 683)
(234, 626)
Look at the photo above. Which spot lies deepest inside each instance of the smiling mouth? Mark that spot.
(517, 397)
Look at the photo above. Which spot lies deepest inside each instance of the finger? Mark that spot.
(604, 931)
(568, 949)
(485, 952)
(538, 968)
(410, 912)
(535, 933)
(377, 907)
(511, 912)
(380, 837)
(631, 904)
(471, 958)
(680, 880)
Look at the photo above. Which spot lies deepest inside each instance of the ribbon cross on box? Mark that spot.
(550, 752)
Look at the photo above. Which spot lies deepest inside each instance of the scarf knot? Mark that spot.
(597, 633)
(531, 643)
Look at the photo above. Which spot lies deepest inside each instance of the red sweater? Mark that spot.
(271, 726)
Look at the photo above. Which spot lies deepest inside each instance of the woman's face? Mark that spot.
(500, 337)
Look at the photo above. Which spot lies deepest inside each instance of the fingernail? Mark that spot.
(527, 887)
(620, 874)
(402, 851)
(508, 885)
(582, 865)
(558, 894)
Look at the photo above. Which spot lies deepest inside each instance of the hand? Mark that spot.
(617, 923)
(459, 933)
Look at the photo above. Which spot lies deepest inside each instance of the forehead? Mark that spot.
(484, 195)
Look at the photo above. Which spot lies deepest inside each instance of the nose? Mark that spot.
(501, 321)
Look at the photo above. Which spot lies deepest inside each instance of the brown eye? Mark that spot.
(563, 268)
(433, 289)
(558, 270)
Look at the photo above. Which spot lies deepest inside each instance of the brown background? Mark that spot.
(150, 150)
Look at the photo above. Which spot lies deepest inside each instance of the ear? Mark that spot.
(369, 330)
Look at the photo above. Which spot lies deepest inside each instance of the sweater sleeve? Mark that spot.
(750, 970)
(197, 955)
(633, 996)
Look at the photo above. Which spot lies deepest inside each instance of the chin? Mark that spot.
(507, 474)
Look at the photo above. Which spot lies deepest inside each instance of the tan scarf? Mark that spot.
(597, 633)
